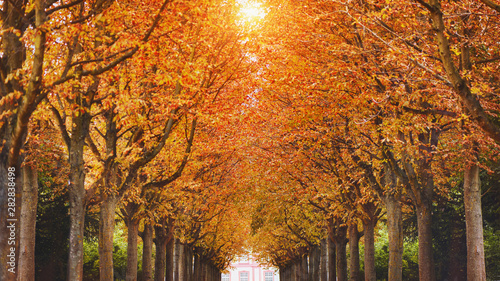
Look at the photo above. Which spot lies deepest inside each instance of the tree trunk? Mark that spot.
(421, 181)
(295, 271)
(324, 260)
(28, 224)
(476, 267)
(181, 262)
(354, 252)
(203, 269)
(369, 236)
(176, 259)
(311, 263)
(425, 256)
(297, 266)
(304, 269)
(189, 263)
(314, 262)
(106, 234)
(332, 261)
(133, 231)
(147, 253)
(214, 273)
(76, 191)
(77, 220)
(164, 237)
(340, 246)
(206, 266)
(14, 126)
(169, 260)
(197, 267)
(161, 249)
(395, 229)
(186, 262)
(218, 274)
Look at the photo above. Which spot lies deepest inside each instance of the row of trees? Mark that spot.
(109, 98)
(308, 127)
(375, 109)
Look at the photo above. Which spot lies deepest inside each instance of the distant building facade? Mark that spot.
(247, 269)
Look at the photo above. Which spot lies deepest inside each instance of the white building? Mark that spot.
(247, 269)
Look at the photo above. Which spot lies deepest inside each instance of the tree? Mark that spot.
(25, 84)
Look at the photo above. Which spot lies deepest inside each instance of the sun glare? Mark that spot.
(251, 11)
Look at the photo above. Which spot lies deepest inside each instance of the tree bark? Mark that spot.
(76, 191)
(314, 261)
(169, 260)
(161, 248)
(304, 269)
(369, 236)
(28, 224)
(197, 267)
(324, 260)
(189, 263)
(176, 259)
(425, 255)
(203, 269)
(77, 220)
(164, 237)
(395, 229)
(106, 235)
(218, 274)
(181, 262)
(133, 231)
(340, 246)
(297, 269)
(476, 267)
(354, 252)
(419, 183)
(332, 260)
(147, 253)
(14, 127)
(337, 232)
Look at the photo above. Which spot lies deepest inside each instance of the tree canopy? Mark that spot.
(286, 129)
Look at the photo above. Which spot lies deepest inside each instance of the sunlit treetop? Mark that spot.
(251, 12)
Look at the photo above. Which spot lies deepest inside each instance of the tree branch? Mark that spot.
(62, 127)
(178, 172)
(492, 5)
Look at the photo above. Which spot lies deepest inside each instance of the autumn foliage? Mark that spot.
(213, 128)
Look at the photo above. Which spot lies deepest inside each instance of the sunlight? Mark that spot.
(251, 11)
